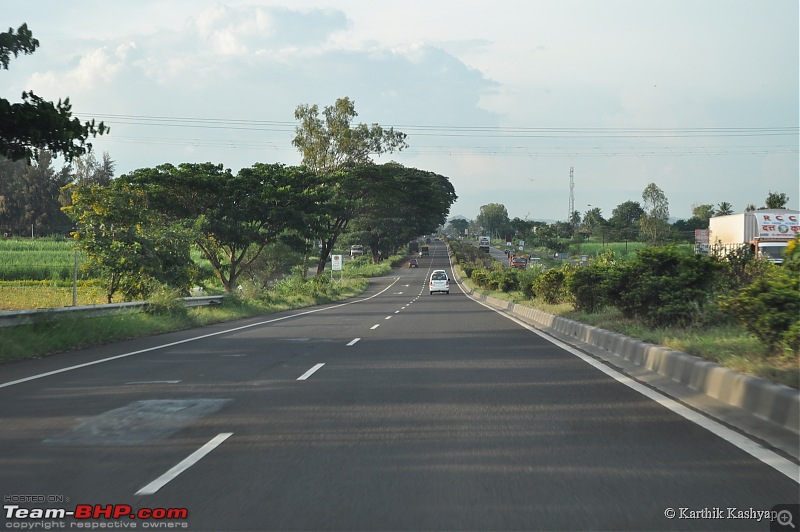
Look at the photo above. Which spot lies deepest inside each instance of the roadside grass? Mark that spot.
(727, 345)
(65, 333)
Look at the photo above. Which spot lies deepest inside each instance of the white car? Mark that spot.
(439, 282)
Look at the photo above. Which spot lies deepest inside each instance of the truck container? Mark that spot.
(765, 232)
(484, 243)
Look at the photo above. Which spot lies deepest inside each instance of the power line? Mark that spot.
(577, 135)
(468, 131)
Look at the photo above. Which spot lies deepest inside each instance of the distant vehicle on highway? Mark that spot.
(519, 262)
(413, 263)
(439, 282)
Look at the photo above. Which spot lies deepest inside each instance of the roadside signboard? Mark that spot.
(336, 263)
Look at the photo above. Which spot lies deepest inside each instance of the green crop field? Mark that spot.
(39, 259)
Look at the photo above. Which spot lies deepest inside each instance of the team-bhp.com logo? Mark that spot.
(94, 511)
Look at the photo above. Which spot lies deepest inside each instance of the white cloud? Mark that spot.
(519, 63)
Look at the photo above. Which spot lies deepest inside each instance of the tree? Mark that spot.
(411, 202)
(89, 171)
(493, 218)
(575, 219)
(594, 218)
(332, 144)
(230, 218)
(654, 222)
(459, 225)
(343, 196)
(35, 124)
(127, 244)
(703, 213)
(776, 200)
(29, 197)
(625, 219)
(521, 227)
(339, 153)
(724, 209)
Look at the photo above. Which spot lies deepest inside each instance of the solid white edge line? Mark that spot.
(310, 372)
(201, 337)
(353, 341)
(184, 464)
(758, 451)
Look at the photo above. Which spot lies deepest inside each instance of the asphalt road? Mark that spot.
(397, 410)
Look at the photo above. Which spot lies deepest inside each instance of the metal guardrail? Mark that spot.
(22, 317)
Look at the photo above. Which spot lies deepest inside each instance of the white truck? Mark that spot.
(767, 232)
(483, 243)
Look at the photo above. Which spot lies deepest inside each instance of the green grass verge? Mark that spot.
(65, 333)
(727, 345)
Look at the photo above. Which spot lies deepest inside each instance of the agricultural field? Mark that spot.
(37, 259)
(37, 273)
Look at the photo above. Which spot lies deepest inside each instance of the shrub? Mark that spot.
(769, 309)
(663, 286)
(503, 279)
(589, 287)
(470, 267)
(525, 280)
(552, 285)
(480, 277)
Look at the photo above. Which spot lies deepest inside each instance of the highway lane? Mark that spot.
(429, 412)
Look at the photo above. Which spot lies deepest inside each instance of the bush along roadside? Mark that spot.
(706, 306)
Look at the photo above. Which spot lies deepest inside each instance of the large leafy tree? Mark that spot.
(127, 244)
(331, 143)
(625, 219)
(493, 217)
(339, 151)
(459, 225)
(231, 217)
(410, 202)
(34, 123)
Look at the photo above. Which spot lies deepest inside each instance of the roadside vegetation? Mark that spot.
(166, 313)
(737, 311)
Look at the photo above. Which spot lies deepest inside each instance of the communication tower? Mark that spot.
(571, 194)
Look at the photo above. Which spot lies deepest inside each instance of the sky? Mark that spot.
(700, 97)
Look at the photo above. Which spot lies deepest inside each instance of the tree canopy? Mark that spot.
(34, 123)
(331, 143)
(231, 217)
(493, 217)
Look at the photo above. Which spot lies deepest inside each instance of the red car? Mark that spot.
(519, 262)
